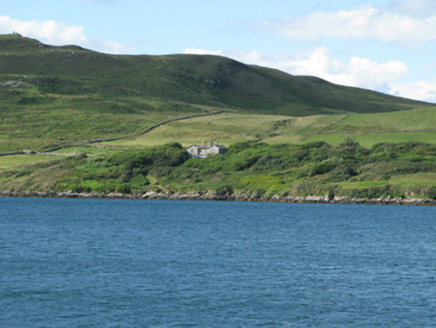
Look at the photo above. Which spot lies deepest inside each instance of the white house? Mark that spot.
(202, 151)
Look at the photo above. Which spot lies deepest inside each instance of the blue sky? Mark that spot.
(383, 45)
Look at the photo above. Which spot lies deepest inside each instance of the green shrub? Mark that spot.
(431, 193)
(225, 190)
(123, 188)
(373, 192)
(321, 168)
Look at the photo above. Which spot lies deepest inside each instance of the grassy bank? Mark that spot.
(367, 129)
(404, 170)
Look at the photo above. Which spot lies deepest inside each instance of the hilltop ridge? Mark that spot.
(191, 79)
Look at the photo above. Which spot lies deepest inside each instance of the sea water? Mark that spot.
(145, 263)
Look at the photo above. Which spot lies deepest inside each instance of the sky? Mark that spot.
(382, 45)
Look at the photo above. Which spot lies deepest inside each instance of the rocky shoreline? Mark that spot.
(213, 196)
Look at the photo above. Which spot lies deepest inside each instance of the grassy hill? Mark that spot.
(276, 125)
(191, 79)
(54, 96)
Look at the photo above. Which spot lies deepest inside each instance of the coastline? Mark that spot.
(213, 196)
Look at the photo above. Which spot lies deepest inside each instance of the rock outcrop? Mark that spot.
(212, 195)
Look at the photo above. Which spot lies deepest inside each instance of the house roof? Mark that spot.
(208, 147)
(200, 147)
(220, 146)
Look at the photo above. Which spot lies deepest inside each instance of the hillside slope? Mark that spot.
(191, 79)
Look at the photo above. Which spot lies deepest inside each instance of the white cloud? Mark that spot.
(357, 72)
(416, 8)
(422, 90)
(50, 31)
(106, 46)
(58, 33)
(401, 22)
(195, 51)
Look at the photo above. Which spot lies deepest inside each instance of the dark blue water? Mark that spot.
(127, 263)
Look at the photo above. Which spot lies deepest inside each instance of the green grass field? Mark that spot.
(231, 128)
(35, 129)
(418, 119)
(225, 128)
(416, 179)
(74, 121)
(10, 162)
(370, 139)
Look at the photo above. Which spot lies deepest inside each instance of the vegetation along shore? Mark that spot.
(317, 172)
